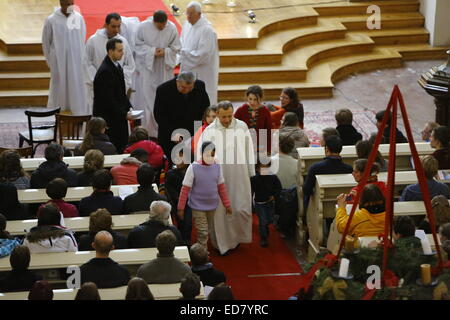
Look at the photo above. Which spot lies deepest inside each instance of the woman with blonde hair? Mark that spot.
(93, 161)
(96, 138)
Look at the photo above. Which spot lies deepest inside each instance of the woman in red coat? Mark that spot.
(256, 116)
(139, 139)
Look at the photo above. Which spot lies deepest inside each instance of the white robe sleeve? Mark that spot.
(170, 53)
(47, 40)
(89, 63)
(249, 152)
(206, 47)
(128, 66)
(144, 50)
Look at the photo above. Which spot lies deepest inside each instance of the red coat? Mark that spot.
(155, 152)
(264, 121)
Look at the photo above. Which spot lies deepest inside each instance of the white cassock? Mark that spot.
(200, 54)
(155, 70)
(95, 54)
(230, 230)
(63, 45)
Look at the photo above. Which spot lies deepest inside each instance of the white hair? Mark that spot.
(196, 5)
(187, 76)
(160, 211)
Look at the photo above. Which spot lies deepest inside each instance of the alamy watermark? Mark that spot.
(374, 21)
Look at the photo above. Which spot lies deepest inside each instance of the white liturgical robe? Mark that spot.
(63, 45)
(200, 54)
(155, 70)
(236, 157)
(95, 54)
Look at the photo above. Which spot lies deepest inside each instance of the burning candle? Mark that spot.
(426, 273)
(343, 268)
(426, 246)
(349, 243)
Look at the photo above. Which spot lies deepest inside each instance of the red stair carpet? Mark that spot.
(94, 12)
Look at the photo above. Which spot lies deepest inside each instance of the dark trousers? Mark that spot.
(265, 212)
(118, 134)
(185, 225)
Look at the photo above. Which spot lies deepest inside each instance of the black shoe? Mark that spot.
(264, 243)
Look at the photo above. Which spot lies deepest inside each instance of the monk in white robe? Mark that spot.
(96, 53)
(157, 45)
(200, 50)
(63, 45)
(234, 151)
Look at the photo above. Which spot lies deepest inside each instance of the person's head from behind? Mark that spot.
(88, 291)
(10, 165)
(48, 215)
(41, 290)
(113, 22)
(441, 209)
(428, 129)
(56, 189)
(208, 152)
(404, 227)
(103, 244)
(289, 96)
(289, 119)
(138, 290)
(327, 132)
(440, 137)
(165, 243)
(185, 82)
(379, 117)
(140, 154)
(333, 146)
(254, 96)
(145, 175)
(344, 117)
(210, 114)
(363, 149)
(100, 220)
(430, 166)
(96, 126)
(54, 152)
(160, 19)
(20, 258)
(359, 166)
(93, 160)
(115, 50)
(3, 233)
(193, 12)
(372, 199)
(221, 292)
(160, 211)
(190, 286)
(444, 232)
(138, 134)
(102, 180)
(286, 144)
(225, 113)
(199, 255)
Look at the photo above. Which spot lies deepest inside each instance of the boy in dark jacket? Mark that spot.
(347, 132)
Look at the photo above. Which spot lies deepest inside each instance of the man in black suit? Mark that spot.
(110, 99)
(178, 103)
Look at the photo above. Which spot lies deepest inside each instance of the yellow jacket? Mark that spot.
(364, 223)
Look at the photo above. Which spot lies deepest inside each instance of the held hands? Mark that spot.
(341, 202)
(229, 211)
(159, 52)
(181, 214)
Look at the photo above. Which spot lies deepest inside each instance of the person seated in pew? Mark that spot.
(57, 190)
(93, 161)
(287, 171)
(404, 233)
(359, 166)
(327, 132)
(125, 173)
(166, 268)
(440, 140)
(202, 267)
(9, 202)
(102, 270)
(7, 242)
(441, 209)
(331, 164)
(41, 290)
(19, 278)
(363, 149)
(347, 132)
(53, 168)
(102, 197)
(369, 219)
(427, 130)
(399, 137)
(290, 128)
(145, 234)
(96, 138)
(444, 235)
(98, 221)
(435, 188)
(190, 287)
(48, 235)
(138, 290)
(11, 170)
(88, 292)
(139, 139)
(221, 292)
(140, 201)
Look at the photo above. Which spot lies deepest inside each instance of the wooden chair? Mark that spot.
(24, 152)
(37, 135)
(71, 129)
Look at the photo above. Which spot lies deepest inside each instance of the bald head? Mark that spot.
(103, 243)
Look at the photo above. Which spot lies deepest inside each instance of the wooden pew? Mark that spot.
(159, 291)
(309, 156)
(73, 162)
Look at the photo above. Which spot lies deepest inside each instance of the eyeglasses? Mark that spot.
(284, 98)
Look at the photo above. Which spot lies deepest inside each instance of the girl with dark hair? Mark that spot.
(96, 138)
(41, 290)
(359, 166)
(290, 128)
(88, 291)
(440, 140)
(208, 117)
(363, 149)
(138, 290)
(11, 170)
(291, 103)
(139, 139)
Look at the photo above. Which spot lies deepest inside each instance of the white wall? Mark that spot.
(437, 20)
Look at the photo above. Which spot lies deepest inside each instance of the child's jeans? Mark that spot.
(204, 223)
(265, 212)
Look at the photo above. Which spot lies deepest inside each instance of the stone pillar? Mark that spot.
(437, 22)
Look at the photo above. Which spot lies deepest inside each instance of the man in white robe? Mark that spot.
(157, 45)
(200, 49)
(96, 53)
(234, 151)
(63, 45)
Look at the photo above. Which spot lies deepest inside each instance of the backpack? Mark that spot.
(286, 206)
